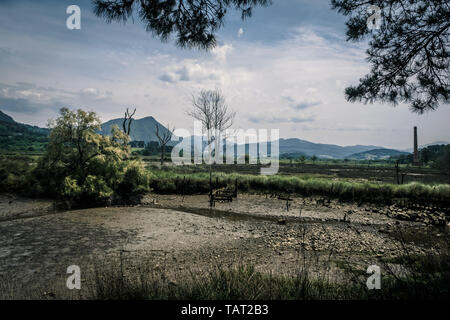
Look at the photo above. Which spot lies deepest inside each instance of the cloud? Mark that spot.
(89, 91)
(306, 104)
(94, 94)
(298, 101)
(301, 120)
(220, 53)
(198, 71)
(168, 77)
(18, 105)
(28, 98)
(25, 98)
(278, 119)
(189, 71)
(5, 52)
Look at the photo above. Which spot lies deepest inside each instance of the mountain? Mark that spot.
(141, 129)
(298, 147)
(376, 154)
(427, 145)
(5, 118)
(16, 136)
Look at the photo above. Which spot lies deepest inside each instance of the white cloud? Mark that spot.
(221, 52)
(211, 71)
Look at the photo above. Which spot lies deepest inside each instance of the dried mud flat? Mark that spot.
(177, 233)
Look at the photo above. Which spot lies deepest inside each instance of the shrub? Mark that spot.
(14, 173)
(135, 182)
(87, 168)
(71, 188)
(95, 189)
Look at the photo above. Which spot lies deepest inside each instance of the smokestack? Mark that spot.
(416, 150)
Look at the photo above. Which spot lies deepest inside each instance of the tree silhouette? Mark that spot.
(194, 22)
(409, 54)
(164, 137)
(128, 118)
(210, 108)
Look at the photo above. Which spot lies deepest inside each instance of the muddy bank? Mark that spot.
(16, 207)
(181, 233)
(315, 208)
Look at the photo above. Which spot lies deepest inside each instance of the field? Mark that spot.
(340, 219)
(381, 172)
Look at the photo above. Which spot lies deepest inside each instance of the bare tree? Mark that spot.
(222, 120)
(128, 118)
(164, 138)
(210, 109)
(202, 111)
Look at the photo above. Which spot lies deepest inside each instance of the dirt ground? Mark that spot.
(38, 243)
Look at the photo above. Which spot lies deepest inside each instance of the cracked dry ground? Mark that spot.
(181, 234)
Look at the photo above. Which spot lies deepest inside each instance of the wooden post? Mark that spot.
(397, 171)
(182, 187)
(210, 187)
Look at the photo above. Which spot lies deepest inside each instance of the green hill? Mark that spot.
(5, 118)
(141, 129)
(16, 136)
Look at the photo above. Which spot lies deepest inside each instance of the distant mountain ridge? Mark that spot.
(294, 147)
(427, 145)
(4, 117)
(144, 130)
(16, 136)
(376, 154)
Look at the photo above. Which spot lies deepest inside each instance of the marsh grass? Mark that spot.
(170, 183)
(238, 282)
(421, 278)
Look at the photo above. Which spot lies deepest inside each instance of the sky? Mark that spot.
(284, 68)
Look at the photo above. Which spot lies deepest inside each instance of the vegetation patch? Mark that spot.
(170, 182)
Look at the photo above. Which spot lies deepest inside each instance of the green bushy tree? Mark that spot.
(82, 165)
